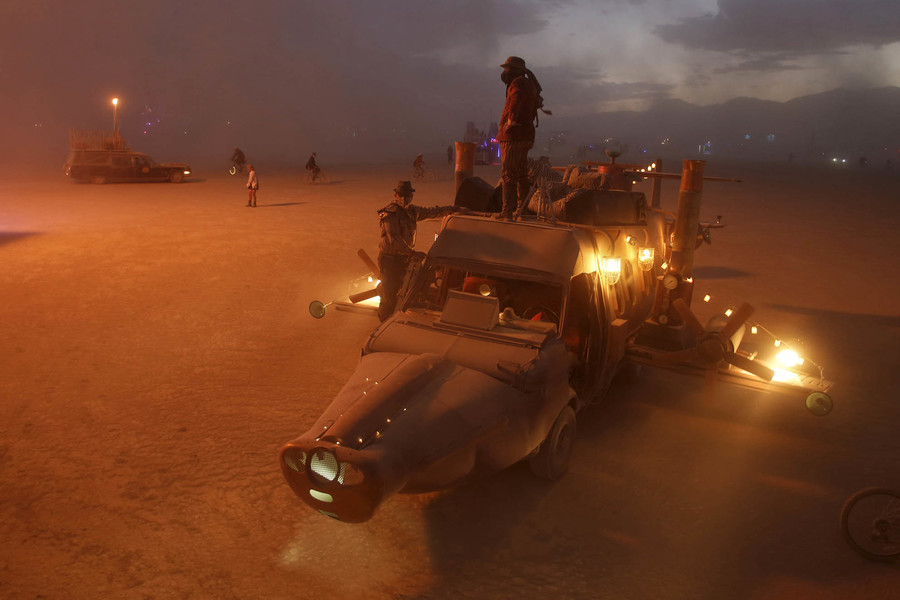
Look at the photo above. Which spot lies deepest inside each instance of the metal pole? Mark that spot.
(656, 190)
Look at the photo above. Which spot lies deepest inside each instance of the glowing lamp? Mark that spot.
(789, 358)
(645, 258)
(785, 376)
(707, 298)
(611, 269)
(728, 312)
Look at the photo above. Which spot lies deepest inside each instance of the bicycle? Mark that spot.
(870, 522)
(316, 176)
(421, 174)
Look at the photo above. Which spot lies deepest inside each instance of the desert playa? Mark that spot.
(156, 352)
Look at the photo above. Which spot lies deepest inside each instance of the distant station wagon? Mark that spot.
(101, 157)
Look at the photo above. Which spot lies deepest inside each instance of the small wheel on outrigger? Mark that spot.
(819, 403)
(870, 522)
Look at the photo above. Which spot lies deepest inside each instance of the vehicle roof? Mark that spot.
(558, 250)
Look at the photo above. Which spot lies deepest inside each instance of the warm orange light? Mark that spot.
(115, 101)
(645, 258)
(611, 269)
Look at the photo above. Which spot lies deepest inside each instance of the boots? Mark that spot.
(510, 200)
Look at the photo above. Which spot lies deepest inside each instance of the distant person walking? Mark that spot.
(398, 239)
(252, 185)
(516, 132)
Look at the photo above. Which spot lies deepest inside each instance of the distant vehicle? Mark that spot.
(101, 157)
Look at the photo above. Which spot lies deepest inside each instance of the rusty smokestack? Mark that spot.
(465, 162)
(688, 218)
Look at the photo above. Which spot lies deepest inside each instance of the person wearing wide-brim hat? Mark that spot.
(398, 239)
(516, 132)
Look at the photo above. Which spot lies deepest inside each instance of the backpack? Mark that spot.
(539, 101)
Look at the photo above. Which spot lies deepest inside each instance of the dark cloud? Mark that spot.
(801, 26)
(768, 62)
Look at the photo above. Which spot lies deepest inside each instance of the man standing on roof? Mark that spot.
(398, 239)
(516, 132)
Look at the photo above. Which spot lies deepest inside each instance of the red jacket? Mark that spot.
(517, 120)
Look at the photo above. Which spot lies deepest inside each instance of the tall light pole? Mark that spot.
(115, 103)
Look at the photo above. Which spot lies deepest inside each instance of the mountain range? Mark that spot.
(840, 122)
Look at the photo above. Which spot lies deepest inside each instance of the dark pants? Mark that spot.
(393, 270)
(514, 174)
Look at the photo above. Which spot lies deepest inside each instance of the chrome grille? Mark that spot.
(295, 460)
(350, 474)
(324, 464)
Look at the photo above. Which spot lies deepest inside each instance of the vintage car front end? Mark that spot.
(420, 422)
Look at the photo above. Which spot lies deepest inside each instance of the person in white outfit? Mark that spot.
(252, 185)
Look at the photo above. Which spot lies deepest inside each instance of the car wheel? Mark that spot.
(176, 176)
(552, 460)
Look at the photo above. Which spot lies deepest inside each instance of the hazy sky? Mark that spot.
(344, 69)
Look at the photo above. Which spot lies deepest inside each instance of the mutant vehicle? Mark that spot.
(104, 157)
(507, 329)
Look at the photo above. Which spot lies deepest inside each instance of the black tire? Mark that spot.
(870, 522)
(552, 460)
(176, 176)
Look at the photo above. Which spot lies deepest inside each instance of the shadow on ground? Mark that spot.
(7, 237)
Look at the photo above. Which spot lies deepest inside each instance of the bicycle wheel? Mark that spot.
(870, 522)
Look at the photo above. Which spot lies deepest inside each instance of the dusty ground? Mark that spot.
(155, 352)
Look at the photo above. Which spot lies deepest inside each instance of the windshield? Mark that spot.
(528, 299)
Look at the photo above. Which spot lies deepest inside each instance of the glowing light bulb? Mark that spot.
(611, 269)
(777, 343)
(707, 298)
(646, 257)
(789, 358)
(728, 312)
(753, 330)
